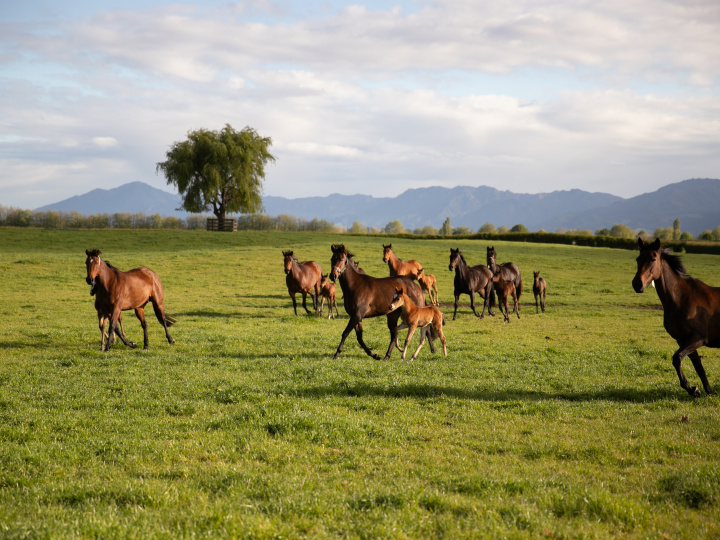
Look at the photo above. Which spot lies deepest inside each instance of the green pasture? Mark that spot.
(563, 425)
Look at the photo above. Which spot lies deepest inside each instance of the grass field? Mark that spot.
(562, 425)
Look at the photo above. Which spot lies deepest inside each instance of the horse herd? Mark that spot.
(691, 308)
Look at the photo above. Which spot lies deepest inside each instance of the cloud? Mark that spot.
(528, 96)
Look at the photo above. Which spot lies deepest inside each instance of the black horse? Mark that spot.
(471, 280)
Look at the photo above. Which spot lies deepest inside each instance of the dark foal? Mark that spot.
(539, 291)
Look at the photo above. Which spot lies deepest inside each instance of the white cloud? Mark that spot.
(105, 142)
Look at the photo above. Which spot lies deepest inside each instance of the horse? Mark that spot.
(471, 280)
(505, 289)
(367, 296)
(398, 267)
(414, 317)
(327, 290)
(691, 308)
(539, 290)
(116, 291)
(508, 269)
(428, 283)
(102, 318)
(302, 277)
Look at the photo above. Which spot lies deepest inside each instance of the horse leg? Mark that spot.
(359, 335)
(437, 298)
(542, 302)
(321, 307)
(304, 295)
(114, 330)
(700, 370)
(337, 313)
(392, 319)
(457, 299)
(536, 304)
(410, 333)
(140, 314)
(423, 335)
(292, 295)
(162, 319)
(516, 309)
(677, 361)
(350, 325)
(101, 325)
(472, 303)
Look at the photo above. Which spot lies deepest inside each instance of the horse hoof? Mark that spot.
(694, 391)
(146, 348)
(171, 341)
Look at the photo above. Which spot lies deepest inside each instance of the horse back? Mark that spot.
(695, 313)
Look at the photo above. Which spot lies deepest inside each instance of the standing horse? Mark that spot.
(509, 270)
(398, 267)
(429, 283)
(116, 291)
(327, 290)
(505, 289)
(539, 291)
(691, 308)
(302, 277)
(471, 280)
(367, 296)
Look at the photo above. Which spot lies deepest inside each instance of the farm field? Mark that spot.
(568, 424)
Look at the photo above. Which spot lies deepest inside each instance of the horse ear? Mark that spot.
(656, 244)
(641, 242)
(87, 252)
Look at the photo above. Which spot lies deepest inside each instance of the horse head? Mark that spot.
(288, 261)
(398, 299)
(536, 278)
(455, 257)
(491, 257)
(387, 250)
(92, 266)
(649, 264)
(338, 261)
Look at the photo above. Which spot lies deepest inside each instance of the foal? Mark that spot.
(428, 283)
(414, 316)
(539, 290)
(505, 288)
(327, 290)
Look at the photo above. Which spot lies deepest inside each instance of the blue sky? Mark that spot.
(363, 97)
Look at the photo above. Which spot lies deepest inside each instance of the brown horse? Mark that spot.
(539, 290)
(471, 280)
(116, 291)
(691, 308)
(509, 271)
(505, 289)
(303, 278)
(367, 296)
(413, 317)
(327, 290)
(398, 267)
(429, 284)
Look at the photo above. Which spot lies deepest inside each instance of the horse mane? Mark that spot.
(94, 252)
(674, 261)
(110, 266)
(341, 248)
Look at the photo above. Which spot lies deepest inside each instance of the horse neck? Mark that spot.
(348, 279)
(669, 286)
(462, 267)
(393, 261)
(492, 265)
(105, 276)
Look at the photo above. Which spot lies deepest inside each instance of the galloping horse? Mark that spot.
(429, 317)
(302, 277)
(539, 291)
(398, 267)
(117, 291)
(367, 296)
(471, 280)
(429, 283)
(509, 270)
(691, 308)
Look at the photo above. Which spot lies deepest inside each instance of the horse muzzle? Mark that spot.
(638, 285)
(287, 271)
(93, 285)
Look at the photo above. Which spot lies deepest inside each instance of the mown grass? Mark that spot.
(562, 425)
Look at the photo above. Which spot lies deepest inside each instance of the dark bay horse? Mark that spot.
(691, 308)
(398, 267)
(471, 280)
(367, 296)
(302, 277)
(116, 291)
(539, 291)
(509, 270)
(505, 289)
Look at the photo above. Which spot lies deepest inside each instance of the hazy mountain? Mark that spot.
(134, 198)
(695, 202)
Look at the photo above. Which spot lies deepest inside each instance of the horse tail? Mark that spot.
(519, 287)
(443, 319)
(163, 318)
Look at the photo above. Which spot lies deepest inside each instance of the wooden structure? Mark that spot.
(229, 225)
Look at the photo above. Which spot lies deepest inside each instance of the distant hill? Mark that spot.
(695, 202)
(135, 197)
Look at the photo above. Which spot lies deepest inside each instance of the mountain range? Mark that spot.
(695, 202)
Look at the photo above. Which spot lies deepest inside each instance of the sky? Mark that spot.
(365, 96)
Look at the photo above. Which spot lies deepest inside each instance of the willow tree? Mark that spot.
(222, 171)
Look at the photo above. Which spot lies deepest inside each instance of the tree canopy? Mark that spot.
(222, 171)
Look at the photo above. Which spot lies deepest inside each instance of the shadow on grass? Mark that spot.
(620, 395)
